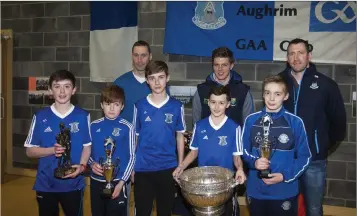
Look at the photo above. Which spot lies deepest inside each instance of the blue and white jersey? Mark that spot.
(123, 134)
(156, 127)
(290, 156)
(216, 144)
(43, 131)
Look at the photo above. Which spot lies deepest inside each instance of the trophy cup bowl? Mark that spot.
(108, 173)
(265, 152)
(207, 188)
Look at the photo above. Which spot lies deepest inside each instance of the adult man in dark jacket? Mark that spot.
(317, 100)
(241, 100)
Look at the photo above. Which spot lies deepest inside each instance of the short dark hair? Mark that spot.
(111, 94)
(299, 40)
(62, 75)
(220, 90)
(275, 79)
(156, 67)
(223, 52)
(141, 43)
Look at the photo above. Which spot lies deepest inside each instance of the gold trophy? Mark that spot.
(266, 147)
(110, 169)
(64, 162)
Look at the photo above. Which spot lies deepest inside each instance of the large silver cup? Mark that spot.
(207, 189)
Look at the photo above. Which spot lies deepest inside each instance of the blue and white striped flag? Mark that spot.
(113, 30)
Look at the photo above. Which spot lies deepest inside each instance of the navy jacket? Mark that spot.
(290, 156)
(318, 101)
(238, 92)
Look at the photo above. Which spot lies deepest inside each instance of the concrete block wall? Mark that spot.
(55, 35)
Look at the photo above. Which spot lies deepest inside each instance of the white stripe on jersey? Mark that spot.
(193, 137)
(129, 168)
(30, 134)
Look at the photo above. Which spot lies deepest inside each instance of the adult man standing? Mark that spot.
(135, 87)
(133, 82)
(241, 100)
(317, 100)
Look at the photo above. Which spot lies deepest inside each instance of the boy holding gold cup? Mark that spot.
(276, 151)
(113, 156)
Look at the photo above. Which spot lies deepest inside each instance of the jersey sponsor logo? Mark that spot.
(283, 138)
(222, 140)
(48, 129)
(148, 119)
(286, 205)
(205, 137)
(203, 131)
(74, 127)
(116, 132)
(168, 118)
(98, 130)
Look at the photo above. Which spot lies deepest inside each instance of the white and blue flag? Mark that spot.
(113, 30)
(262, 30)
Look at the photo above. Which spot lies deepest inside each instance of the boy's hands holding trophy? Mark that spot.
(97, 169)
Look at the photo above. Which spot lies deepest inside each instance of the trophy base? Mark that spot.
(61, 172)
(107, 193)
(212, 210)
(264, 174)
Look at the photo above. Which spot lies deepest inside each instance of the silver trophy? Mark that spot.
(266, 145)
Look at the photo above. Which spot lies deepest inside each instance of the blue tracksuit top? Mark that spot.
(291, 153)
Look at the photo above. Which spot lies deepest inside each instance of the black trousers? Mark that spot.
(101, 206)
(286, 207)
(151, 185)
(71, 203)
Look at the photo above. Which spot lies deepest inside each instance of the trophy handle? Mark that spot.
(234, 184)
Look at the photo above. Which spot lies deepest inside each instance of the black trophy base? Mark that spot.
(107, 193)
(264, 174)
(61, 172)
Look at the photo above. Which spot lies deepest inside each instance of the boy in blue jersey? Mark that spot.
(216, 142)
(41, 143)
(159, 123)
(122, 132)
(277, 194)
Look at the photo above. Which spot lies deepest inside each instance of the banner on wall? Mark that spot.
(113, 31)
(262, 30)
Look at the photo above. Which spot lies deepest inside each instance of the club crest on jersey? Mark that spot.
(74, 127)
(314, 85)
(233, 101)
(168, 118)
(258, 138)
(283, 138)
(116, 132)
(222, 140)
(205, 100)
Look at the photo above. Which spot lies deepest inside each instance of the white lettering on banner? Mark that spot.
(340, 14)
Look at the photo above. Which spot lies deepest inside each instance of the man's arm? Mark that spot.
(180, 146)
(336, 114)
(39, 152)
(248, 106)
(196, 108)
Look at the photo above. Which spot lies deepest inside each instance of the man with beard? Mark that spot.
(135, 87)
(317, 100)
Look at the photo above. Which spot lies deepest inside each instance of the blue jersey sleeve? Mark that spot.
(181, 124)
(194, 141)
(136, 120)
(33, 137)
(87, 139)
(129, 150)
(238, 148)
(248, 155)
(302, 150)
